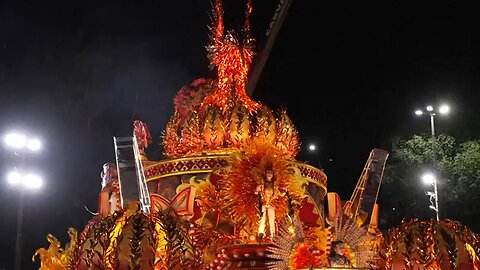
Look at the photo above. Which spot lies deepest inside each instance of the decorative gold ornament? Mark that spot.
(239, 199)
(432, 245)
(56, 258)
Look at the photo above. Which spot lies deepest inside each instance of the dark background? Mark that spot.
(350, 73)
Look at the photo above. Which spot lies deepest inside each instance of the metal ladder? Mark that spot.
(366, 192)
(131, 178)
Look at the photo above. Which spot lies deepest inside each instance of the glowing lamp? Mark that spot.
(418, 112)
(444, 109)
(14, 178)
(32, 181)
(429, 179)
(34, 145)
(430, 108)
(15, 140)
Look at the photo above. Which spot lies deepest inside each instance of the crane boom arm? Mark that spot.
(271, 33)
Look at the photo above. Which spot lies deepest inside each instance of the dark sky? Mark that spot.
(350, 74)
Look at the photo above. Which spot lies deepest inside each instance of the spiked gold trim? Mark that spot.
(178, 173)
(208, 163)
(186, 165)
(312, 174)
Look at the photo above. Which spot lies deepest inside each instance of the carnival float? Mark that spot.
(231, 195)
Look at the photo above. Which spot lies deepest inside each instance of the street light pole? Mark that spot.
(432, 125)
(21, 180)
(434, 158)
(436, 201)
(18, 244)
(443, 109)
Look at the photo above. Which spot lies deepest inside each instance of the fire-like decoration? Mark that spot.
(192, 131)
(232, 54)
(141, 132)
(55, 257)
(132, 240)
(213, 115)
(445, 245)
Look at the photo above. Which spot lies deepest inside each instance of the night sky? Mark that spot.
(350, 74)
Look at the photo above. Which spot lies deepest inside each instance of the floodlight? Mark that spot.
(444, 109)
(34, 145)
(15, 140)
(14, 178)
(33, 181)
(429, 178)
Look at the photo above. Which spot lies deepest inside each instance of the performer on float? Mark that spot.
(110, 193)
(337, 256)
(267, 194)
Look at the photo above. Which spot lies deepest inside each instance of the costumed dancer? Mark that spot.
(337, 256)
(267, 194)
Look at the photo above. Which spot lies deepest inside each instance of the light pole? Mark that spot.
(431, 178)
(22, 181)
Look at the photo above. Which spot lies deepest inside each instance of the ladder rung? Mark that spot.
(124, 146)
(126, 164)
(123, 139)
